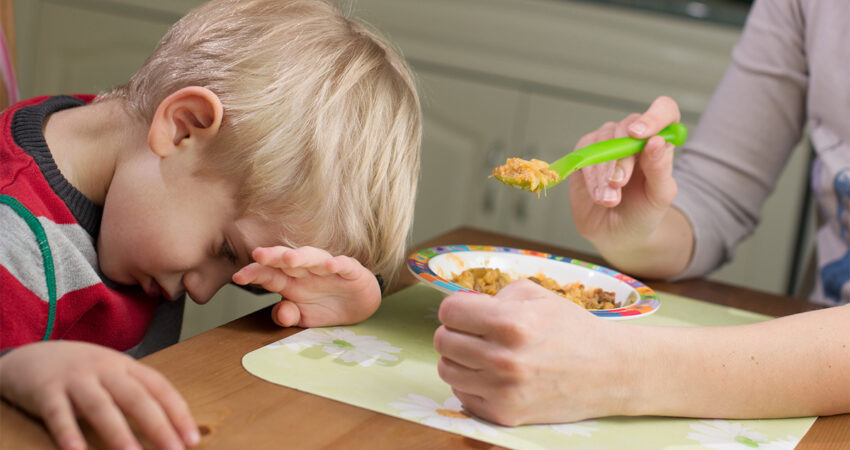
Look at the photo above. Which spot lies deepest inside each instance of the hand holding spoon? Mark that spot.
(537, 176)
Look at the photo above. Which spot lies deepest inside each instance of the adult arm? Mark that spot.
(746, 135)
(511, 360)
(724, 172)
(792, 366)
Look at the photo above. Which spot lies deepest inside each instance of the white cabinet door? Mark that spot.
(467, 128)
(67, 49)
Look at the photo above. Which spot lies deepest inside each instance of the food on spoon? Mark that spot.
(535, 173)
(490, 281)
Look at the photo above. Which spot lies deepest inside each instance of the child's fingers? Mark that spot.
(95, 404)
(286, 314)
(58, 416)
(269, 256)
(297, 263)
(271, 279)
(137, 404)
(346, 267)
(306, 257)
(248, 274)
(172, 402)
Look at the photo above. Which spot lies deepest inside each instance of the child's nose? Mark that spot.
(202, 285)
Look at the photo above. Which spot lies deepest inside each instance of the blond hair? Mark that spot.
(321, 119)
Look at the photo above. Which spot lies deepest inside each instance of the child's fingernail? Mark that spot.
(73, 444)
(193, 437)
(637, 127)
(618, 175)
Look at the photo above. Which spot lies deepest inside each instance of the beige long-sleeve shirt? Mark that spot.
(791, 67)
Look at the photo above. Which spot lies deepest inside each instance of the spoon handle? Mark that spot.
(613, 149)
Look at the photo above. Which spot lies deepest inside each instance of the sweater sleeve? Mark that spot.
(746, 134)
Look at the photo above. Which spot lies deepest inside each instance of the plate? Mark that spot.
(437, 265)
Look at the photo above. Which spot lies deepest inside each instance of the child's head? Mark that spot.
(321, 124)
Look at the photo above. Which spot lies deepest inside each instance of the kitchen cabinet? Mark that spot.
(469, 129)
(497, 78)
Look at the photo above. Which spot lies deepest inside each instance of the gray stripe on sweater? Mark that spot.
(72, 248)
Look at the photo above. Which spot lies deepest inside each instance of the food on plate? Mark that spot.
(534, 172)
(489, 281)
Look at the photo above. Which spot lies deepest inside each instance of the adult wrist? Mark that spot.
(638, 378)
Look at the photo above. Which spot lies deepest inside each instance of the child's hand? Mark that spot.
(318, 289)
(55, 380)
(527, 355)
(613, 202)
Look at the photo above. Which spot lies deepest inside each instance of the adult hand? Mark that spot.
(57, 380)
(613, 202)
(527, 355)
(317, 289)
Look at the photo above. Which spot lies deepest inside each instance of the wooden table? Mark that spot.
(238, 410)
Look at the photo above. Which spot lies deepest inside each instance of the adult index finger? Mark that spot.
(467, 312)
(662, 112)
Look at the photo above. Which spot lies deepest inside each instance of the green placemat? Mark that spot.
(388, 364)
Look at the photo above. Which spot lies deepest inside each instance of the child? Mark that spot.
(254, 123)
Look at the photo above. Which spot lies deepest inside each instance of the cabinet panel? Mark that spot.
(603, 52)
(65, 49)
(467, 127)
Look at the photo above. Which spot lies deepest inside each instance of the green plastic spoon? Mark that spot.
(599, 152)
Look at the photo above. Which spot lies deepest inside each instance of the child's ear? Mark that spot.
(188, 117)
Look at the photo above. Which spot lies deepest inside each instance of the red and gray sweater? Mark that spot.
(50, 283)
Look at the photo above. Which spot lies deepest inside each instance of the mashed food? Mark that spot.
(535, 173)
(490, 281)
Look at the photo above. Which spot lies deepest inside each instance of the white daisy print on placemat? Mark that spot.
(449, 416)
(787, 443)
(344, 345)
(721, 434)
(583, 428)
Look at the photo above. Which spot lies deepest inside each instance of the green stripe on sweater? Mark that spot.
(47, 257)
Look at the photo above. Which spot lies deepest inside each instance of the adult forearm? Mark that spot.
(792, 366)
(661, 252)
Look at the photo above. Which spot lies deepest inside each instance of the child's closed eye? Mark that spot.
(226, 251)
